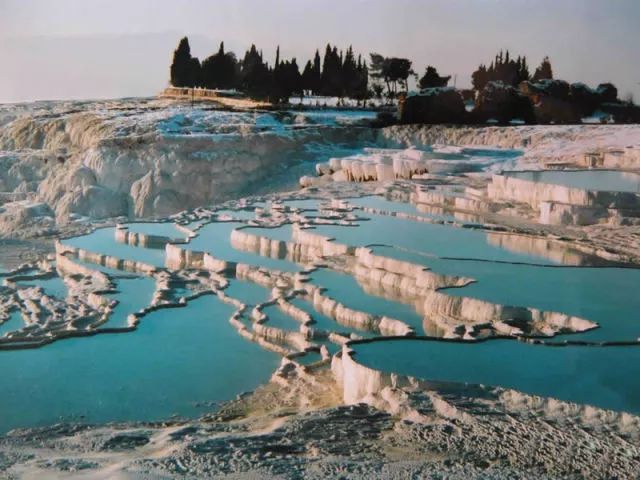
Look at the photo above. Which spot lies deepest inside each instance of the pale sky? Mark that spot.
(53, 49)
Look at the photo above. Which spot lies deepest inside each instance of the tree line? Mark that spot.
(510, 71)
(339, 74)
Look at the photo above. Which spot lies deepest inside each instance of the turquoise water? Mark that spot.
(103, 241)
(133, 294)
(238, 214)
(180, 358)
(54, 287)
(600, 294)
(383, 204)
(601, 376)
(111, 272)
(177, 358)
(215, 238)
(603, 180)
(248, 293)
(346, 290)
(279, 319)
(439, 240)
(282, 233)
(304, 204)
(322, 322)
(163, 229)
(13, 323)
(309, 358)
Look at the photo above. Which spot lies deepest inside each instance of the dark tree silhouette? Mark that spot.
(607, 92)
(255, 77)
(317, 73)
(331, 76)
(311, 77)
(431, 79)
(308, 83)
(543, 72)
(220, 70)
(480, 78)
(502, 69)
(393, 71)
(286, 80)
(337, 75)
(361, 87)
(185, 70)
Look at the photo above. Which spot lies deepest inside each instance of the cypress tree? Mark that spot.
(317, 82)
(184, 72)
(544, 71)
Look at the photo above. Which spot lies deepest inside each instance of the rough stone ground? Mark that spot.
(473, 432)
(14, 253)
(304, 431)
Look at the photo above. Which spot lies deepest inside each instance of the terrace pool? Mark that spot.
(215, 239)
(599, 376)
(176, 360)
(598, 180)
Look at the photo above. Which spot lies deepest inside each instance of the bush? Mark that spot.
(434, 105)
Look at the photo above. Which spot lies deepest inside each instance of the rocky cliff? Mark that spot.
(138, 158)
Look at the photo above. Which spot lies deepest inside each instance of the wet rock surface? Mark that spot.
(307, 422)
(493, 434)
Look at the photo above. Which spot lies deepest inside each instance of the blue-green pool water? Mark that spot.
(601, 376)
(238, 214)
(279, 319)
(603, 180)
(13, 323)
(103, 241)
(54, 286)
(322, 322)
(381, 203)
(600, 294)
(438, 240)
(177, 358)
(163, 229)
(346, 290)
(215, 238)
(133, 294)
(282, 233)
(248, 293)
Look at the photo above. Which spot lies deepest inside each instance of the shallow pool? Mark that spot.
(432, 239)
(381, 203)
(215, 238)
(279, 319)
(163, 229)
(599, 376)
(133, 294)
(103, 241)
(282, 233)
(599, 294)
(177, 359)
(248, 293)
(603, 180)
(54, 286)
(238, 214)
(324, 323)
(346, 290)
(13, 323)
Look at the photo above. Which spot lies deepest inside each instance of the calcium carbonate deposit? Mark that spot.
(415, 308)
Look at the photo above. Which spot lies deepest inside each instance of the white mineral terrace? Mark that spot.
(451, 316)
(435, 274)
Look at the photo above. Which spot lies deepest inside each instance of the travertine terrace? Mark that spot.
(404, 241)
